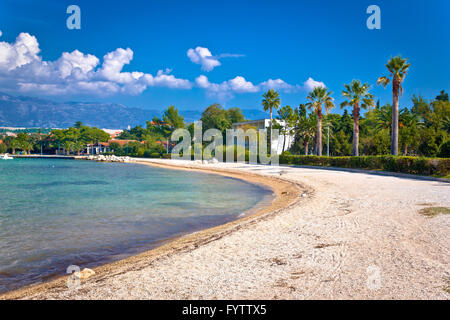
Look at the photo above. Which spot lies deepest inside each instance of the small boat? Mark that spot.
(6, 157)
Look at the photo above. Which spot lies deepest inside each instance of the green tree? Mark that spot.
(305, 129)
(443, 96)
(172, 118)
(357, 95)
(271, 100)
(409, 130)
(3, 148)
(318, 97)
(398, 68)
(287, 116)
(215, 117)
(235, 115)
(78, 124)
(23, 142)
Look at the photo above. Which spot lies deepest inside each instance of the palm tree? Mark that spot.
(271, 101)
(398, 68)
(355, 92)
(68, 146)
(306, 128)
(286, 114)
(319, 96)
(13, 145)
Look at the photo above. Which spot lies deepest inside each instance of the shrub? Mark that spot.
(3, 148)
(444, 150)
(151, 154)
(410, 165)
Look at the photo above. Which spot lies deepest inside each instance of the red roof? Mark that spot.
(119, 142)
(153, 123)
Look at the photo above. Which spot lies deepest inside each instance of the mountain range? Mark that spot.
(29, 112)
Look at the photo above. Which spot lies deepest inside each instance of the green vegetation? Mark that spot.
(317, 97)
(424, 129)
(215, 117)
(356, 93)
(410, 165)
(419, 130)
(75, 139)
(434, 211)
(398, 69)
(271, 101)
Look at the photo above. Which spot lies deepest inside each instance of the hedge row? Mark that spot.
(410, 165)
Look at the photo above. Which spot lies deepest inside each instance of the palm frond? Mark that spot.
(384, 81)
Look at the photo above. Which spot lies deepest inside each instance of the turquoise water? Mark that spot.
(56, 213)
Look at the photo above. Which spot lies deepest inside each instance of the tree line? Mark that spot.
(421, 130)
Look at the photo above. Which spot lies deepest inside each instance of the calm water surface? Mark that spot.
(55, 213)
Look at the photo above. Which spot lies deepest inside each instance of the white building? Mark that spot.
(285, 141)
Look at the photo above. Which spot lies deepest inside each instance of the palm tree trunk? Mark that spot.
(306, 144)
(319, 134)
(356, 130)
(270, 145)
(394, 139)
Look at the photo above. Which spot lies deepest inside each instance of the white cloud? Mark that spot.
(165, 79)
(310, 84)
(23, 51)
(204, 57)
(226, 89)
(75, 63)
(21, 68)
(239, 85)
(278, 84)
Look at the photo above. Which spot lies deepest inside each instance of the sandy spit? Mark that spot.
(328, 235)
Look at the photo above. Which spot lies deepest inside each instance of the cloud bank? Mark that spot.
(23, 69)
(239, 84)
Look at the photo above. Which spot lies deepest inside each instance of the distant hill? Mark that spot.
(31, 112)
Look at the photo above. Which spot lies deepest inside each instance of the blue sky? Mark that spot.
(253, 41)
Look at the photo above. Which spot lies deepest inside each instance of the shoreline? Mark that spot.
(287, 193)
